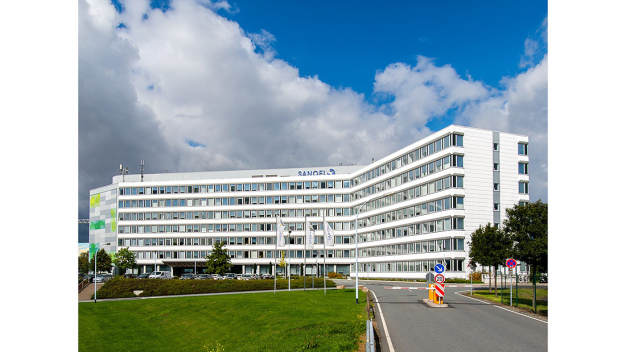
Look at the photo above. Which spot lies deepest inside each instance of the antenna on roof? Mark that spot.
(142, 170)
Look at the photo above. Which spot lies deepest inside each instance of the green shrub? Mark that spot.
(123, 288)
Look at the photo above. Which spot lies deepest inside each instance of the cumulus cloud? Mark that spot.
(189, 90)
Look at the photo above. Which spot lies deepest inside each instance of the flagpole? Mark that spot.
(306, 237)
(289, 265)
(325, 254)
(275, 251)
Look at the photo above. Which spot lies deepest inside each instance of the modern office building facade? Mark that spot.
(415, 208)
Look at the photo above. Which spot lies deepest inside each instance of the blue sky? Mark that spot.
(344, 43)
(201, 85)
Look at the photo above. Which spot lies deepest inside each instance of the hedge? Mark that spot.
(123, 288)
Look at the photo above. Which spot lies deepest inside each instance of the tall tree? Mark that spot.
(527, 224)
(490, 246)
(83, 263)
(104, 261)
(125, 259)
(218, 262)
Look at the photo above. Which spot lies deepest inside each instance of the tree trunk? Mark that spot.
(495, 285)
(489, 279)
(534, 271)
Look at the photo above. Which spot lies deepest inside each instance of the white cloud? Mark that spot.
(188, 74)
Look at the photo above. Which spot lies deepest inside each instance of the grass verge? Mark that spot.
(286, 321)
(524, 298)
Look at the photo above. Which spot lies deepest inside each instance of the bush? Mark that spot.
(334, 275)
(123, 288)
(476, 276)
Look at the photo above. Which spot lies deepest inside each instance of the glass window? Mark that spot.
(495, 146)
(458, 140)
(496, 206)
(496, 167)
(522, 168)
(522, 149)
(496, 186)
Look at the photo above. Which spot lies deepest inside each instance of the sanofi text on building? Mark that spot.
(418, 208)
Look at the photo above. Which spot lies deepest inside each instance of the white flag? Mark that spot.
(309, 235)
(280, 236)
(329, 234)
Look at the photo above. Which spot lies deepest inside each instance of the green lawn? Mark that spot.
(285, 321)
(524, 298)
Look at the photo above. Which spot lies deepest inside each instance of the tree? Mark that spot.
(125, 259)
(283, 263)
(490, 246)
(527, 224)
(104, 261)
(83, 263)
(218, 262)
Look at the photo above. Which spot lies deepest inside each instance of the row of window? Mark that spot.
(420, 171)
(418, 191)
(201, 255)
(439, 225)
(411, 266)
(412, 156)
(423, 227)
(421, 190)
(413, 248)
(235, 214)
(297, 199)
(239, 187)
(419, 209)
(231, 241)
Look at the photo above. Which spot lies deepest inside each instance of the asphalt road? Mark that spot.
(467, 325)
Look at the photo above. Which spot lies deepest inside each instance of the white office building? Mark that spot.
(415, 208)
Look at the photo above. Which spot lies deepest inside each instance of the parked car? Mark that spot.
(160, 275)
(130, 276)
(217, 277)
(101, 279)
(246, 277)
(266, 276)
(143, 276)
(239, 277)
(229, 276)
(187, 276)
(203, 277)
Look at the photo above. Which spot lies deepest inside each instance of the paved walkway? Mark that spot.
(85, 294)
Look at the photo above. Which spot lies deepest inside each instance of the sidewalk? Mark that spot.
(87, 292)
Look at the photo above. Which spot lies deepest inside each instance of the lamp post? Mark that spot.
(356, 239)
(289, 264)
(95, 273)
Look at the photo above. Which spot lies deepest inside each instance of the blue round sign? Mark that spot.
(439, 268)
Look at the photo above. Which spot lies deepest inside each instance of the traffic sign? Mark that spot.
(439, 290)
(439, 268)
(430, 277)
(511, 263)
(439, 279)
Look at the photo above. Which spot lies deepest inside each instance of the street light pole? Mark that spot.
(289, 264)
(356, 239)
(95, 273)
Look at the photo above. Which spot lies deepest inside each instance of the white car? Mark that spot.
(160, 275)
(100, 279)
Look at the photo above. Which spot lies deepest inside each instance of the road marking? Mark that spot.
(420, 288)
(489, 304)
(382, 318)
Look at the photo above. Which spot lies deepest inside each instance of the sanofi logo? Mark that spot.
(316, 172)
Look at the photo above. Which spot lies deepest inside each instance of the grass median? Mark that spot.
(524, 298)
(285, 321)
